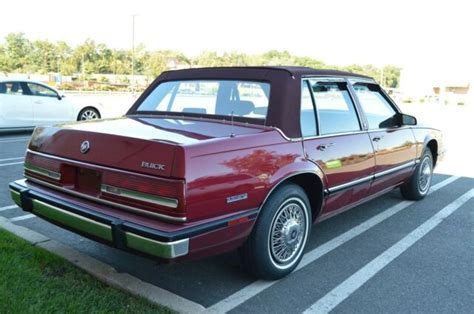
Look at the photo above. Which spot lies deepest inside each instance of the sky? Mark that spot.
(431, 36)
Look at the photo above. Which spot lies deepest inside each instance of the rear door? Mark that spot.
(394, 146)
(334, 139)
(15, 106)
(48, 108)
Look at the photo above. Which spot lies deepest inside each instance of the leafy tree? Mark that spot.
(17, 50)
(18, 54)
(391, 76)
(64, 53)
(42, 58)
(155, 64)
(4, 64)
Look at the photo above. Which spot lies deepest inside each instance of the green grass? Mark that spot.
(33, 280)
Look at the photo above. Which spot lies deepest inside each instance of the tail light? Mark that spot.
(151, 193)
(42, 168)
(160, 195)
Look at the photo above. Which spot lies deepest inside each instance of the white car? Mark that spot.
(25, 104)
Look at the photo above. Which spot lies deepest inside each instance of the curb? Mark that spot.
(105, 272)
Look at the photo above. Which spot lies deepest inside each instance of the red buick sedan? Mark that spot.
(210, 160)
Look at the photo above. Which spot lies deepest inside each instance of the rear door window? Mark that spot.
(307, 113)
(336, 111)
(12, 88)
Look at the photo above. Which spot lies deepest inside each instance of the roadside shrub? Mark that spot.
(66, 86)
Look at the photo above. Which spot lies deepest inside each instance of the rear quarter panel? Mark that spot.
(249, 165)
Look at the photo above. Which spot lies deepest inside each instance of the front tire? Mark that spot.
(420, 181)
(275, 246)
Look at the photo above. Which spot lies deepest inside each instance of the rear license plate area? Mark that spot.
(88, 181)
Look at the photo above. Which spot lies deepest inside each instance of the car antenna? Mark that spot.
(232, 134)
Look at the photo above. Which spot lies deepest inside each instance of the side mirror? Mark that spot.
(399, 119)
(61, 96)
(405, 119)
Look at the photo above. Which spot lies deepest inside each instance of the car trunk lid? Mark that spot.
(146, 145)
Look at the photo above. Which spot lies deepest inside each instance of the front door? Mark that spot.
(333, 139)
(48, 108)
(395, 147)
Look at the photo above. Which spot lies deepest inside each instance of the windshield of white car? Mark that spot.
(248, 99)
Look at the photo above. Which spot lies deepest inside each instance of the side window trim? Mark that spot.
(26, 89)
(315, 112)
(389, 100)
(360, 113)
(356, 107)
(352, 100)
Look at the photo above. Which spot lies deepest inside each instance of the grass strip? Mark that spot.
(33, 280)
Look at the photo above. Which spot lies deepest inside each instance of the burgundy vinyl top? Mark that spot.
(285, 90)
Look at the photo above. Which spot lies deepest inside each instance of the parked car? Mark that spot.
(210, 160)
(25, 104)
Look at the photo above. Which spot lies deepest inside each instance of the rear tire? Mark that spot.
(419, 184)
(87, 114)
(275, 246)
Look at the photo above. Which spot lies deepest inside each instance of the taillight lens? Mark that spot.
(155, 194)
(42, 168)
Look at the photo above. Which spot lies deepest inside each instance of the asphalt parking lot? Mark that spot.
(388, 255)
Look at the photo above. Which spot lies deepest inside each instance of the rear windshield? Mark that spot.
(247, 99)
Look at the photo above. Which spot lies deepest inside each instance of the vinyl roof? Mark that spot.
(295, 71)
(285, 92)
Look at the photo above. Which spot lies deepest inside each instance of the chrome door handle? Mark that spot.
(323, 147)
(377, 138)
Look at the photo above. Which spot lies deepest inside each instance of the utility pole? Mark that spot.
(382, 78)
(83, 73)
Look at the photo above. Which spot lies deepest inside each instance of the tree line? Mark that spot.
(18, 54)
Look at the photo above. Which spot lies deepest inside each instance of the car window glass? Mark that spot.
(11, 88)
(307, 116)
(188, 96)
(211, 97)
(255, 93)
(38, 90)
(336, 112)
(376, 108)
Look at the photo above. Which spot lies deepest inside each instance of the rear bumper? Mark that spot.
(116, 232)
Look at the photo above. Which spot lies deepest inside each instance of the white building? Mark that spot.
(448, 86)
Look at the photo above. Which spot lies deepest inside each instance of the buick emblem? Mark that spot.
(152, 165)
(85, 146)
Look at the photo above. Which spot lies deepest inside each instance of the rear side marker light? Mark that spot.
(144, 197)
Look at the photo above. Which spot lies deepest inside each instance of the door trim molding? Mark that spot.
(373, 177)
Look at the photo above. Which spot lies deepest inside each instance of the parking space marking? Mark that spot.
(12, 163)
(13, 158)
(256, 287)
(7, 208)
(354, 282)
(13, 139)
(24, 217)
